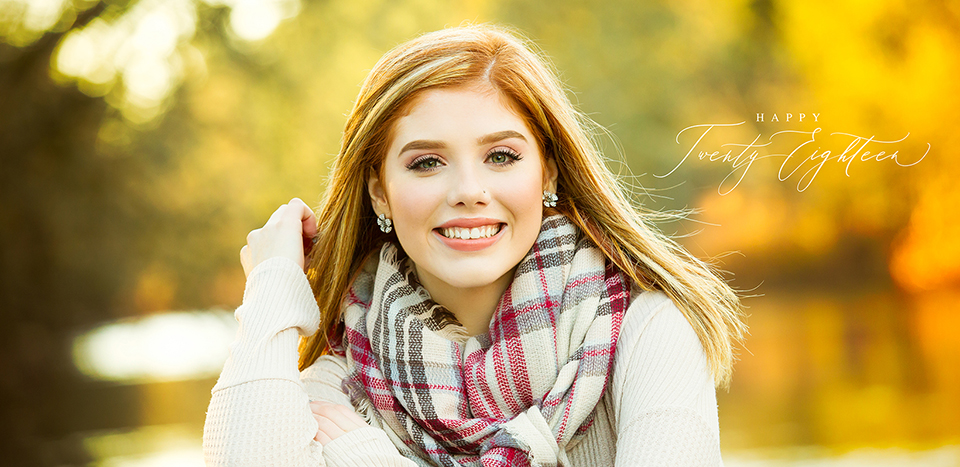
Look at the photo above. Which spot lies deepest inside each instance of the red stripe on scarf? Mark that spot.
(517, 344)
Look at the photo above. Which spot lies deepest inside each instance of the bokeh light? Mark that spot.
(147, 48)
(141, 140)
(162, 347)
(254, 20)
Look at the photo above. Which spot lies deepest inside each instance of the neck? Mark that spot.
(473, 306)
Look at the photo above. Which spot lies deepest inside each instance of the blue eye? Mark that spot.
(503, 156)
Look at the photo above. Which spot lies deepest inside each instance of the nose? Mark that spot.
(467, 188)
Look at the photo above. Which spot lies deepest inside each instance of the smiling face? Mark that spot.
(463, 180)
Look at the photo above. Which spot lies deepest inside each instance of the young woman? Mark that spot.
(476, 290)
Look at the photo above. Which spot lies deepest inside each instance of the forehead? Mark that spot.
(466, 112)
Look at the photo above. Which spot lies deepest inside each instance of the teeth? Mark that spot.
(471, 233)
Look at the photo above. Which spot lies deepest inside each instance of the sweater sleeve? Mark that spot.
(663, 389)
(259, 413)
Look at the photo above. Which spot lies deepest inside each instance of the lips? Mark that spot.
(470, 234)
(470, 222)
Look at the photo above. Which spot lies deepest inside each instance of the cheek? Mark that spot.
(412, 204)
(523, 196)
(529, 200)
(527, 185)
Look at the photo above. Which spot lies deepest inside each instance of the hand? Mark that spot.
(334, 420)
(283, 235)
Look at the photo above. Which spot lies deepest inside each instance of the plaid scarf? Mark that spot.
(516, 396)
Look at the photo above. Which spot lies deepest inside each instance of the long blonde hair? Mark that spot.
(589, 193)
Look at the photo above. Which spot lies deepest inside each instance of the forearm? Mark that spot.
(268, 422)
(259, 413)
(261, 423)
(367, 446)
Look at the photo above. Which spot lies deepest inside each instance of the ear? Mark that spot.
(378, 195)
(550, 174)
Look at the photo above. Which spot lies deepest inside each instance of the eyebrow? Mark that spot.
(486, 139)
(499, 136)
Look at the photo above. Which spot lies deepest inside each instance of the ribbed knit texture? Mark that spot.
(659, 408)
(521, 391)
(280, 306)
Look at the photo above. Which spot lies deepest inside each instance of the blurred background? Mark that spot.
(140, 140)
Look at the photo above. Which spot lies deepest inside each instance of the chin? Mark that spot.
(471, 281)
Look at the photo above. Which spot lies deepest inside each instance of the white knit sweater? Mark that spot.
(659, 408)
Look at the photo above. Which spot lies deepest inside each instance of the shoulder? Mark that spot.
(652, 315)
(661, 388)
(659, 358)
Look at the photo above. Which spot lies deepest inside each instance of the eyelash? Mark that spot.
(512, 157)
(415, 165)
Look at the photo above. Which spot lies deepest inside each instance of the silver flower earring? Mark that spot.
(549, 199)
(386, 225)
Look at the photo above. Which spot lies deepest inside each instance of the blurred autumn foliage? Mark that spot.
(140, 140)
